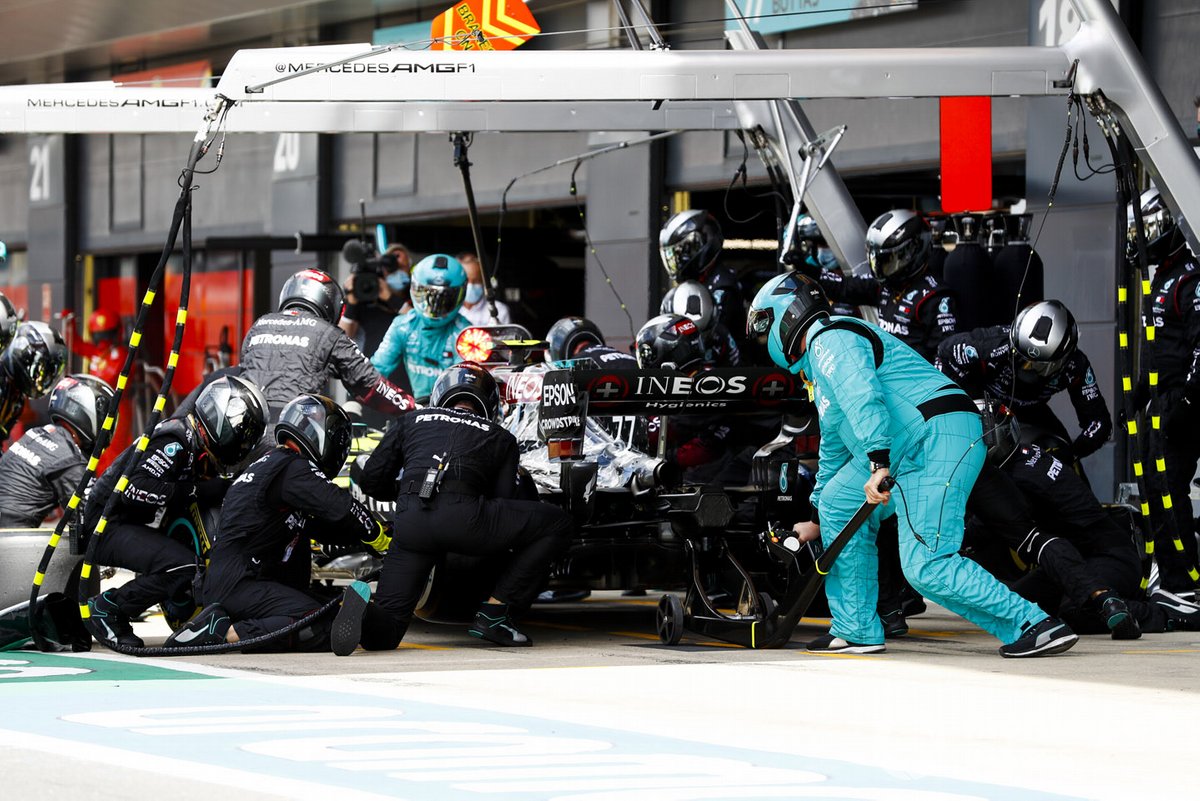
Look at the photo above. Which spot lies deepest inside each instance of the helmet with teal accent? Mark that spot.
(439, 284)
(783, 310)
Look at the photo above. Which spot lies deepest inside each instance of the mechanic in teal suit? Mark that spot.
(424, 338)
(884, 412)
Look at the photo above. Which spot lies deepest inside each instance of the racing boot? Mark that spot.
(347, 626)
(894, 624)
(1116, 615)
(1182, 615)
(208, 627)
(493, 624)
(1050, 636)
(108, 624)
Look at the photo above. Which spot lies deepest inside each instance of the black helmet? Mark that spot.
(35, 358)
(233, 414)
(898, 246)
(80, 402)
(9, 320)
(782, 311)
(692, 300)
(1044, 335)
(565, 336)
(689, 243)
(319, 428)
(314, 291)
(669, 341)
(1163, 236)
(1001, 431)
(467, 381)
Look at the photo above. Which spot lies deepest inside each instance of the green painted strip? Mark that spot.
(26, 667)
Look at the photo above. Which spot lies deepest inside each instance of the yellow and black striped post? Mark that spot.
(180, 218)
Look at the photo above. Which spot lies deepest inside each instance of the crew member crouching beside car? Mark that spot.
(453, 474)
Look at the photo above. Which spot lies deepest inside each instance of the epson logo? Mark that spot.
(558, 394)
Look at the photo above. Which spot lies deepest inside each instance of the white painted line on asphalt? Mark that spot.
(116, 758)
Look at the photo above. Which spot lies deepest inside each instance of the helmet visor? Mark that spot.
(231, 425)
(1154, 224)
(1045, 369)
(76, 407)
(437, 302)
(758, 321)
(887, 262)
(678, 255)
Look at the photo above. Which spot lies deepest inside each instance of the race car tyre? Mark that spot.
(670, 620)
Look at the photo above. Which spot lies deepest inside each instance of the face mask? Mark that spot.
(399, 281)
(474, 293)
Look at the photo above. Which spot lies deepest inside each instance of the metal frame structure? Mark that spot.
(359, 88)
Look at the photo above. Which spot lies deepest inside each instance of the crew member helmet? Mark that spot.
(783, 310)
(467, 381)
(1043, 337)
(319, 429)
(315, 292)
(9, 320)
(568, 334)
(692, 300)
(104, 326)
(232, 414)
(670, 341)
(1001, 431)
(689, 244)
(898, 246)
(1163, 236)
(35, 359)
(809, 238)
(439, 284)
(80, 402)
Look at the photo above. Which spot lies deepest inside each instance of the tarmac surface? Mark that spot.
(600, 710)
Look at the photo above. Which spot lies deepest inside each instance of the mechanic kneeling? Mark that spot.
(456, 492)
(259, 569)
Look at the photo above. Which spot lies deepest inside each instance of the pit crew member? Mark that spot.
(885, 410)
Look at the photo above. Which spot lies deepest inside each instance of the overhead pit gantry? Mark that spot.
(364, 89)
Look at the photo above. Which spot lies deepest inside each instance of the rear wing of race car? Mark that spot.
(567, 397)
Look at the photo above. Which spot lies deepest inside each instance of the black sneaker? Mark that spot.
(1050, 636)
(831, 644)
(493, 624)
(108, 624)
(1119, 619)
(1182, 615)
(208, 627)
(347, 626)
(894, 624)
(912, 604)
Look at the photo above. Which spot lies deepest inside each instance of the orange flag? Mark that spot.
(484, 25)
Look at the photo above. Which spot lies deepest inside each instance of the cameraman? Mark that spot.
(372, 316)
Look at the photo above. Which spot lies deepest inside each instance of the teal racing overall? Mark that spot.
(875, 395)
(426, 347)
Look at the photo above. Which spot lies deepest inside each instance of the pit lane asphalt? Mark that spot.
(940, 716)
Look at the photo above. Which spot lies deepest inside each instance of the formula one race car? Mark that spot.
(586, 437)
